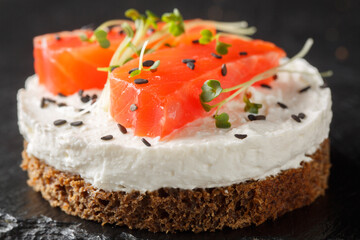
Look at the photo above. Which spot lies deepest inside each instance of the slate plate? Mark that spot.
(333, 24)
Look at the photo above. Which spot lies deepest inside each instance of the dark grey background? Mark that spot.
(335, 27)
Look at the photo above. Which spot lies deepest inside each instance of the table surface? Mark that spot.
(335, 27)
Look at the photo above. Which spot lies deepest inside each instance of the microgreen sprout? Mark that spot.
(101, 37)
(133, 14)
(152, 19)
(174, 22)
(325, 74)
(212, 88)
(207, 37)
(128, 29)
(101, 32)
(133, 47)
(153, 67)
(222, 121)
(84, 38)
(251, 107)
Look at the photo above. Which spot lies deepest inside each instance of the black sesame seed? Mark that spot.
(243, 53)
(167, 45)
(275, 77)
(107, 137)
(140, 81)
(296, 118)
(59, 122)
(216, 56)
(301, 115)
(187, 60)
(195, 41)
(260, 117)
(190, 65)
(81, 92)
(324, 86)
(266, 86)
(240, 136)
(151, 30)
(85, 99)
(61, 95)
(76, 123)
(145, 142)
(81, 109)
(304, 89)
(42, 104)
(122, 128)
(282, 105)
(131, 70)
(58, 38)
(133, 107)
(62, 104)
(252, 117)
(148, 63)
(94, 96)
(121, 32)
(50, 100)
(223, 70)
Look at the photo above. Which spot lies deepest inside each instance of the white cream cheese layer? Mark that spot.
(198, 156)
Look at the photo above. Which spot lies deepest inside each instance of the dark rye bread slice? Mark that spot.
(170, 209)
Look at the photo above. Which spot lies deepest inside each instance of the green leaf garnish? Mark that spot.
(83, 38)
(133, 14)
(210, 90)
(222, 48)
(101, 37)
(135, 73)
(251, 107)
(100, 34)
(206, 107)
(222, 121)
(155, 65)
(151, 19)
(206, 36)
(104, 43)
(174, 22)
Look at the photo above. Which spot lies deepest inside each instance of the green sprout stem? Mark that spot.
(325, 74)
(238, 28)
(142, 55)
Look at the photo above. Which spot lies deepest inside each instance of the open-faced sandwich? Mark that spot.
(171, 125)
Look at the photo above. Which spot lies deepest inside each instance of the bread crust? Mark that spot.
(172, 209)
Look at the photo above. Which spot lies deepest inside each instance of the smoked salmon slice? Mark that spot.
(66, 64)
(170, 98)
